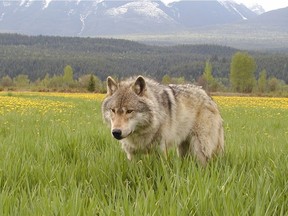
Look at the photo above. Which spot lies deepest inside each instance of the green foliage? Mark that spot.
(242, 70)
(56, 82)
(36, 56)
(273, 84)
(262, 81)
(68, 76)
(178, 80)
(166, 79)
(207, 75)
(6, 81)
(91, 85)
(209, 83)
(21, 80)
(46, 81)
(99, 85)
(44, 59)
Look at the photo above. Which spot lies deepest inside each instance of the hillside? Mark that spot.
(37, 56)
(274, 20)
(268, 31)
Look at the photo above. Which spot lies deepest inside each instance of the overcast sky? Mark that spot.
(266, 4)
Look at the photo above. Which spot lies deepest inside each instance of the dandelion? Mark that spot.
(27, 102)
(48, 102)
(23, 105)
(252, 102)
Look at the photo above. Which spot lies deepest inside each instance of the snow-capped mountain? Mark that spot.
(207, 13)
(258, 9)
(107, 17)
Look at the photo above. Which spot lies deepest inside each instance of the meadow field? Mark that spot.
(58, 158)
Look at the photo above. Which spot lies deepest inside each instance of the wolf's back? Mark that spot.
(143, 113)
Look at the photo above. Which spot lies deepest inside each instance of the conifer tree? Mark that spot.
(91, 85)
(208, 78)
(262, 81)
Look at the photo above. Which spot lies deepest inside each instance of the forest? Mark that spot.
(40, 57)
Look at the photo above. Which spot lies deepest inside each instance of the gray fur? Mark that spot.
(150, 114)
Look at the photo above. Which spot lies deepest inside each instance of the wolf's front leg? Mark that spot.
(164, 149)
(129, 156)
(128, 150)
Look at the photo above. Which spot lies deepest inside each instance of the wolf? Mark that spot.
(143, 114)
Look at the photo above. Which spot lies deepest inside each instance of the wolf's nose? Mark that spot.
(117, 133)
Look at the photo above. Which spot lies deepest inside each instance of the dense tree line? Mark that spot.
(38, 57)
(242, 78)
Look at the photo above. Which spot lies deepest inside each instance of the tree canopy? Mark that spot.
(242, 72)
(58, 60)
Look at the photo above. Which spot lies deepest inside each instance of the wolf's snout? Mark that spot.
(117, 133)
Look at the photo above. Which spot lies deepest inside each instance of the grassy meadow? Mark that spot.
(58, 158)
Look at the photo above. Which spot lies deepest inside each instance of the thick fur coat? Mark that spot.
(143, 114)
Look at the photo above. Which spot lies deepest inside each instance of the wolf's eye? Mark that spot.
(113, 110)
(129, 111)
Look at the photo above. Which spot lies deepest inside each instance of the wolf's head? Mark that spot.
(125, 107)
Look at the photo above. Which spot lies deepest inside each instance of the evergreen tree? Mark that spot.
(242, 71)
(91, 85)
(262, 81)
(208, 79)
(46, 81)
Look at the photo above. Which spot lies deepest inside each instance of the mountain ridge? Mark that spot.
(108, 17)
(150, 21)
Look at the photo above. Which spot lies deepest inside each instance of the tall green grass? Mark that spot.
(68, 164)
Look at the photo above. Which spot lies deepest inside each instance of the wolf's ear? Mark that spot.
(139, 86)
(111, 86)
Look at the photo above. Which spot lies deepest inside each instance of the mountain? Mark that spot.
(125, 17)
(258, 9)
(274, 20)
(206, 13)
(110, 17)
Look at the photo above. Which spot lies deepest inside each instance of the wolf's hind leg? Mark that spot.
(196, 148)
(183, 148)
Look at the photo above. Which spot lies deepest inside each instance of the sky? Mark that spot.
(266, 4)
